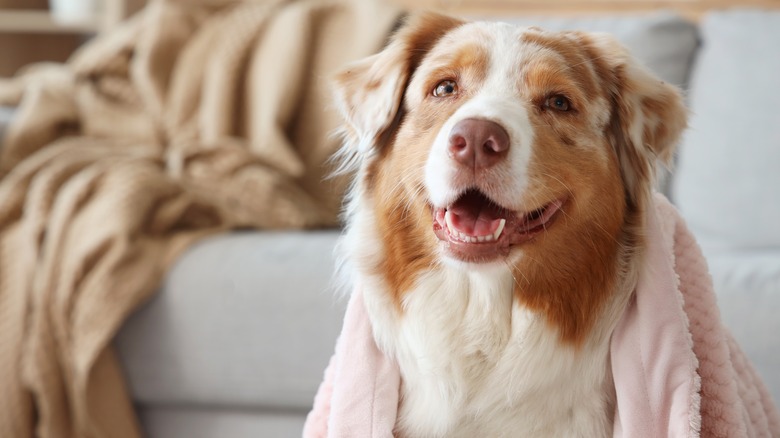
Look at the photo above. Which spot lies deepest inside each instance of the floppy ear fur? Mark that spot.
(648, 117)
(369, 93)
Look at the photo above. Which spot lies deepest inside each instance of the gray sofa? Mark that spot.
(235, 342)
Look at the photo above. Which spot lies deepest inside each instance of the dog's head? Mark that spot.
(483, 142)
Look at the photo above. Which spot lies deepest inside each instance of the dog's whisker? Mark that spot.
(512, 269)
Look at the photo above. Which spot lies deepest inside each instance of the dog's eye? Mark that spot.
(558, 102)
(445, 88)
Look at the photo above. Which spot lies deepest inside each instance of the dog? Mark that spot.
(495, 223)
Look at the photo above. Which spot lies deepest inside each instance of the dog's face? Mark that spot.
(485, 143)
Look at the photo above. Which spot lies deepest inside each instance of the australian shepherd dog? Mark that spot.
(495, 223)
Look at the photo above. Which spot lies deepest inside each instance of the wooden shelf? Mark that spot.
(41, 21)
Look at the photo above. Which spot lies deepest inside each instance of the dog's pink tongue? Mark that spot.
(474, 215)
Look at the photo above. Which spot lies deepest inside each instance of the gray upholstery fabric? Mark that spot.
(245, 319)
(183, 422)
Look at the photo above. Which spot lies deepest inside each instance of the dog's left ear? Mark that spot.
(648, 116)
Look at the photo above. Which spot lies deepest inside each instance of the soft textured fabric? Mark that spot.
(653, 362)
(677, 370)
(727, 183)
(243, 320)
(191, 118)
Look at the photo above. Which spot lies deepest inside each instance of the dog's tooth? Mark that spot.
(500, 229)
(481, 238)
(489, 238)
(448, 221)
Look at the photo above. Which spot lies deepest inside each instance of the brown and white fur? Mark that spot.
(507, 336)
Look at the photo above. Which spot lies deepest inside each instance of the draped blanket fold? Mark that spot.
(191, 118)
(677, 370)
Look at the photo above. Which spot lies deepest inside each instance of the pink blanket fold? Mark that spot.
(677, 371)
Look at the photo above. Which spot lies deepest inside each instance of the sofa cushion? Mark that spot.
(727, 182)
(243, 319)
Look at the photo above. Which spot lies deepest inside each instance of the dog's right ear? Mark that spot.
(369, 92)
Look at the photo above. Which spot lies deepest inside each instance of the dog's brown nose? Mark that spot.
(478, 143)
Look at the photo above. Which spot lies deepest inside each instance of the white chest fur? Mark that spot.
(476, 363)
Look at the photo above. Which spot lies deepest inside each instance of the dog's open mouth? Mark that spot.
(477, 229)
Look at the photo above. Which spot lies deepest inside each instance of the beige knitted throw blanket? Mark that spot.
(191, 118)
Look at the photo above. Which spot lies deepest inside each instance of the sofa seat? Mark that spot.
(238, 335)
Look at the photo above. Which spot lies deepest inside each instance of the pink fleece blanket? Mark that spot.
(677, 371)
